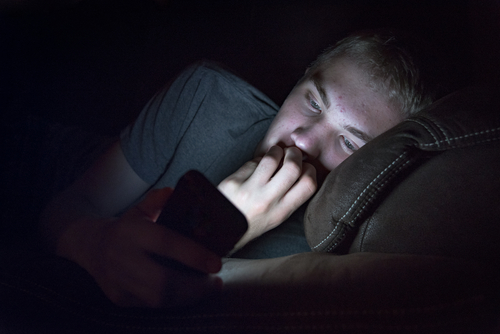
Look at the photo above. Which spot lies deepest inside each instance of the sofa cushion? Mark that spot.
(303, 293)
(430, 185)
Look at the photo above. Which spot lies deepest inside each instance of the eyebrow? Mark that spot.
(358, 133)
(324, 97)
(321, 91)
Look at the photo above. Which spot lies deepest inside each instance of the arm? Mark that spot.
(80, 224)
(106, 189)
(348, 283)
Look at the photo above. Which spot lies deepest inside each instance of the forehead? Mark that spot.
(350, 89)
(342, 73)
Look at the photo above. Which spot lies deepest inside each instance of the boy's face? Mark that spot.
(329, 114)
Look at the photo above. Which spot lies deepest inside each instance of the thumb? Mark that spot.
(153, 203)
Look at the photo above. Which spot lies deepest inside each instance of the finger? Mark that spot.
(303, 189)
(170, 287)
(154, 285)
(170, 244)
(268, 165)
(152, 204)
(243, 173)
(140, 283)
(187, 289)
(290, 172)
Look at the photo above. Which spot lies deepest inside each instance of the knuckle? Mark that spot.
(311, 185)
(261, 207)
(224, 184)
(274, 154)
(292, 168)
(268, 160)
(257, 209)
(308, 180)
(252, 163)
(228, 185)
(247, 167)
(275, 150)
(231, 182)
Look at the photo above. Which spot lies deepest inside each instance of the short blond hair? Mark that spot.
(396, 63)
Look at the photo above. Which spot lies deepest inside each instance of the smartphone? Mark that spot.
(198, 210)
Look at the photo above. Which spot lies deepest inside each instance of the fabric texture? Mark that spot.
(208, 119)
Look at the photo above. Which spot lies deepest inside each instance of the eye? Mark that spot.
(315, 105)
(350, 146)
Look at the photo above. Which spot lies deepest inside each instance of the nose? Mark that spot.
(308, 141)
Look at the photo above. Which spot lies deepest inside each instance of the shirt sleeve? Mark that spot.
(208, 119)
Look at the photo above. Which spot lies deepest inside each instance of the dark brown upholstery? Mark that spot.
(305, 293)
(429, 186)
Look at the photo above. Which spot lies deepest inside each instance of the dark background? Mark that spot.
(95, 63)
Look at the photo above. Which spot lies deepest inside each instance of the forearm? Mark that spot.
(292, 269)
(325, 269)
(352, 283)
(68, 221)
(103, 191)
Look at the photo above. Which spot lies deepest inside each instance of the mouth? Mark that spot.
(305, 157)
(283, 146)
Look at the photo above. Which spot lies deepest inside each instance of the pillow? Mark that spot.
(430, 185)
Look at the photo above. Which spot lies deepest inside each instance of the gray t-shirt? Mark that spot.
(210, 120)
(207, 119)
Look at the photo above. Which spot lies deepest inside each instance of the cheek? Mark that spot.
(333, 156)
(280, 131)
(287, 120)
(330, 162)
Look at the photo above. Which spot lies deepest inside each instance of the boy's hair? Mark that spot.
(398, 65)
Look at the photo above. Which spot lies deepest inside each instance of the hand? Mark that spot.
(117, 255)
(267, 194)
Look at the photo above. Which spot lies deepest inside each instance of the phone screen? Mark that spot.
(198, 210)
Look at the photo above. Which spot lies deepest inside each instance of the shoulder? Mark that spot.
(210, 70)
(217, 78)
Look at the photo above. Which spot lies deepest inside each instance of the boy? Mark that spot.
(210, 120)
